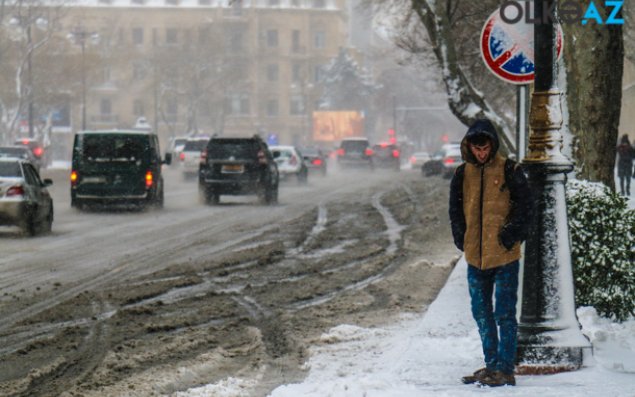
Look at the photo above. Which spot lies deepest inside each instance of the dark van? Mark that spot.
(117, 167)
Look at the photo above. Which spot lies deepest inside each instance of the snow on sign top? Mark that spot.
(508, 49)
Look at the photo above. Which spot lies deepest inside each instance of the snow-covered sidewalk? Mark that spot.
(426, 355)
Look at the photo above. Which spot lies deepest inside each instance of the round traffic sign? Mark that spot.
(508, 49)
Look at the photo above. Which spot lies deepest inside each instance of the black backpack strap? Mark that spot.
(510, 167)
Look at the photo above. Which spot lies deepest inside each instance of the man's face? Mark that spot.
(481, 152)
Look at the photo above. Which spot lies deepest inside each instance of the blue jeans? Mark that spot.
(496, 326)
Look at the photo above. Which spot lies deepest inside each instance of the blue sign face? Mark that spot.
(508, 49)
(517, 63)
(272, 139)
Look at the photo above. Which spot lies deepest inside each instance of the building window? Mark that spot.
(273, 3)
(171, 109)
(204, 33)
(296, 73)
(137, 108)
(295, 3)
(319, 3)
(235, 41)
(318, 73)
(237, 104)
(272, 38)
(319, 39)
(295, 41)
(171, 36)
(137, 2)
(296, 105)
(155, 37)
(137, 36)
(138, 71)
(105, 107)
(272, 107)
(172, 2)
(272, 72)
(204, 2)
(106, 74)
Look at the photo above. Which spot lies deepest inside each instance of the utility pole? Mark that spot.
(549, 335)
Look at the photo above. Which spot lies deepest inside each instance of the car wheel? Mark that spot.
(270, 195)
(28, 225)
(47, 224)
(158, 200)
(303, 176)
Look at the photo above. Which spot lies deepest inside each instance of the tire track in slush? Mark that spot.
(393, 233)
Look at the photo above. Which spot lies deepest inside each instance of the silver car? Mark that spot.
(24, 199)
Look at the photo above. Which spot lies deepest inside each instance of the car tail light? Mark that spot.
(25, 141)
(38, 151)
(74, 177)
(15, 191)
(182, 156)
(149, 179)
(262, 159)
(395, 153)
(317, 162)
(383, 144)
(341, 152)
(368, 152)
(203, 156)
(293, 160)
(448, 161)
(413, 160)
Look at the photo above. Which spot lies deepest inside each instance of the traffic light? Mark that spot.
(391, 136)
(445, 138)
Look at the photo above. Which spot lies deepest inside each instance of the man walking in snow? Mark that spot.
(490, 207)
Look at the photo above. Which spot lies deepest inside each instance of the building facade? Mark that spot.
(204, 66)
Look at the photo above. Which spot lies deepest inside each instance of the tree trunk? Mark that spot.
(594, 59)
(465, 102)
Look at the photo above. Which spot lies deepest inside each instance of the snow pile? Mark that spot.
(227, 387)
(613, 343)
(427, 356)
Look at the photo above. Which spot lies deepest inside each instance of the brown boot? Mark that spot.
(476, 376)
(497, 378)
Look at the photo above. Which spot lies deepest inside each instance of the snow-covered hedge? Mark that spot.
(602, 230)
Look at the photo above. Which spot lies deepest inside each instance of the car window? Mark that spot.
(239, 150)
(355, 146)
(10, 169)
(195, 145)
(179, 142)
(453, 152)
(14, 152)
(114, 147)
(31, 175)
(284, 153)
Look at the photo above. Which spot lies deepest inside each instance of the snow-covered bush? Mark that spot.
(602, 231)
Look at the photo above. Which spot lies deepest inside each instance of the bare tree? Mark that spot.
(446, 26)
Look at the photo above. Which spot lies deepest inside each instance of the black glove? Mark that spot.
(506, 239)
(458, 242)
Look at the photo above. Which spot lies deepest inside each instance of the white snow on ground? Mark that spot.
(425, 355)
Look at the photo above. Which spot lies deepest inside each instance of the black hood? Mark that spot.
(481, 126)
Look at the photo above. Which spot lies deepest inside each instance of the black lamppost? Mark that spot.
(549, 335)
(79, 35)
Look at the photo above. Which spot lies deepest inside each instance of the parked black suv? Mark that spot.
(237, 166)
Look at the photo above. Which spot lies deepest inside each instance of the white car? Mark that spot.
(24, 198)
(176, 148)
(290, 162)
(419, 158)
(190, 157)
